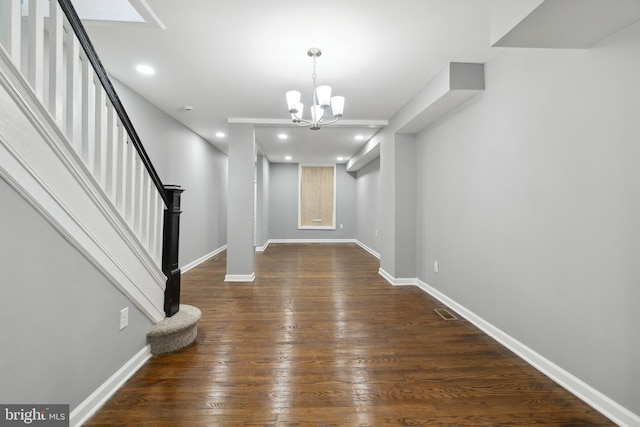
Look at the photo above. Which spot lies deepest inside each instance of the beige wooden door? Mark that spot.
(317, 197)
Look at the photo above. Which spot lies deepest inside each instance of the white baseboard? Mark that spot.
(264, 247)
(597, 400)
(311, 241)
(240, 277)
(357, 242)
(397, 282)
(368, 249)
(202, 259)
(91, 404)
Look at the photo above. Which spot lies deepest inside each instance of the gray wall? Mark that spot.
(183, 158)
(528, 197)
(59, 316)
(283, 205)
(262, 201)
(241, 205)
(405, 204)
(387, 232)
(368, 205)
(397, 236)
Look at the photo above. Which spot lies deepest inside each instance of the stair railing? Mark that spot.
(47, 42)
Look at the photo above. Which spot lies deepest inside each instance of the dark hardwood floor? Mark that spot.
(320, 339)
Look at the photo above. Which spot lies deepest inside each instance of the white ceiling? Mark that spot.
(236, 59)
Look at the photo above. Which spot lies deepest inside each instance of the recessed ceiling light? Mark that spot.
(359, 137)
(340, 158)
(287, 157)
(220, 134)
(145, 69)
(283, 136)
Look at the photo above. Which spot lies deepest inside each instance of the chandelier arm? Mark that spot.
(322, 122)
(300, 119)
(306, 122)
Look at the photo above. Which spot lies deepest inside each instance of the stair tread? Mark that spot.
(186, 317)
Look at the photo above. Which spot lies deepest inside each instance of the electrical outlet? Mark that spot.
(341, 225)
(436, 266)
(124, 318)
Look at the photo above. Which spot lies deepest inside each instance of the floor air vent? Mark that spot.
(445, 314)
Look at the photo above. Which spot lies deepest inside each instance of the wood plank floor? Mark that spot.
(320, 339)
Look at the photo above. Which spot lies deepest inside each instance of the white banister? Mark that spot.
(11, 27)
(112, 153)
(138, 201)
(100, 148)
(35, 52)
(86, 84)
(130, 186)
(158, 218)
(56, 45)
(147, 187)
(151, 226)
(73, 76)
(121, 168)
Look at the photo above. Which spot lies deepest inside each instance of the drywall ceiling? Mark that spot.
(234, 60)
(570, 24)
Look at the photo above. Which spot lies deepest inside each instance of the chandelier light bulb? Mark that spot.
(316, 113)
(293, 100)
(337, 106)
(324, 96)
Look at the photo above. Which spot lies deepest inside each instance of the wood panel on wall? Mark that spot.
(317, 197)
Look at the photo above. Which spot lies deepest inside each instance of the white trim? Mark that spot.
(287, 122)
(335, 198)
(367, 248)
(263, 247)
(240, 277)
(386, 276)
(150, 18)
(396, 282)
(302, 241)
(91, 404)
(149, 21)
(320, 227)
(312, 241)
(594, 398)
(202, 259)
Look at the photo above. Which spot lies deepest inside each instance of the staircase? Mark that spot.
(69, 148)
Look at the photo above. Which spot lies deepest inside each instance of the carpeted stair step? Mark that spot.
(175, 332)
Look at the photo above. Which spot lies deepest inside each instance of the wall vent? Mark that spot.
(445, 314)
(226, 405)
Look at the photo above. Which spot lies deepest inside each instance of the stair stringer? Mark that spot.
(39, 162)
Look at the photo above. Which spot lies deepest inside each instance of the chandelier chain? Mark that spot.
(314, 76)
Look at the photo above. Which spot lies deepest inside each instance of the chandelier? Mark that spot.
(322, 100)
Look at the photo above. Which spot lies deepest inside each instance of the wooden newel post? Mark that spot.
(170, 243)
